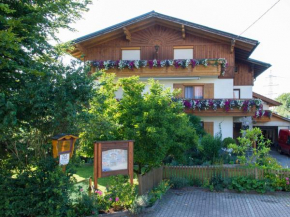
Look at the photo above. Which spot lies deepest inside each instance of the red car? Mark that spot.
(284, 141)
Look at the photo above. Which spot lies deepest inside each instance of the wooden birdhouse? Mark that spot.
(63, 147)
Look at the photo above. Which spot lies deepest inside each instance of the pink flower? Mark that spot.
(287, 182)
(98, 192)
(110, 199)
(93, 213)
(287, 178)
(117, 198)
(81, 189)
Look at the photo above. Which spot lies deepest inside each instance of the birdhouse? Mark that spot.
(63, 147)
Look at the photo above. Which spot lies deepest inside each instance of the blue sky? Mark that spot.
(234, 16)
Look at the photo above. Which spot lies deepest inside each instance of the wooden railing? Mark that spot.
(207, 172)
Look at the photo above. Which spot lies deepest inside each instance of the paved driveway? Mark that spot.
(196, 202)
(284, 160)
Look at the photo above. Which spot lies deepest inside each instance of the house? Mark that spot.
(270, 123)
(211, 67)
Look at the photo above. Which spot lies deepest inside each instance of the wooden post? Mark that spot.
(90, 187)
(131, 162)
(95, 167)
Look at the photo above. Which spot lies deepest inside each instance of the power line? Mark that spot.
(258, 18)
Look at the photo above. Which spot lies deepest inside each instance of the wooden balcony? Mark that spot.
(235, 112)
(212, 69)
(265, 118)
(230, 107)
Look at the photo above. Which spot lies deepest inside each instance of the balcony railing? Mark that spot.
(163, 68)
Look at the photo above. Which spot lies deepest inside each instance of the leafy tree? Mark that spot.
(284, 109)
(156, 123)
(252, 139)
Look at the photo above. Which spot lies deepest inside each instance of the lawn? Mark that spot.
(86, 171)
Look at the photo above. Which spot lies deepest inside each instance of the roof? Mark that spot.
(271, 102)
(63, 136)
(243, 46)
(281, 117)
(154, 14)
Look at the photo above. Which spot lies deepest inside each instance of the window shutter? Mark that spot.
(208, 127)
(209, 91)
(179, 86)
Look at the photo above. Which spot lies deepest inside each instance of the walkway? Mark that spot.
(196, 202)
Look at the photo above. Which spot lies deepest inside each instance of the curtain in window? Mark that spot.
(198, 92)
(188, 92)
(236, 94)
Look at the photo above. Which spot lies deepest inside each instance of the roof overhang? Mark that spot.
(269, 101)
(243, 46)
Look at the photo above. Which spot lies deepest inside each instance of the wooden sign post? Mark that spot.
(113, 158)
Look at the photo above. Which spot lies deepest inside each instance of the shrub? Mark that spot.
(217, 182)
(195, 182)
(210, 147)
(84, 206)
(179, 182)
(228, 141)
(40, 191)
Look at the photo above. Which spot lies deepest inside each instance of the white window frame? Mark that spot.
(183, 52)
(133, 53)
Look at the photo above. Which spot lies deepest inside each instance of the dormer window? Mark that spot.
(131, 53)
(183, 52)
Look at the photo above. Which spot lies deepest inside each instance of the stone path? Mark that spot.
(195, 202)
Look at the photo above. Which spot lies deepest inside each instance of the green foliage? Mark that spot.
(84, 205)
(244, 183)
(210, 147)
(196, 123)
(217, 182)
(156, 123)
(179, 182)
(284, 109)
(251, 137)
(227, 141)
(36, 191)
(121, 192)
(195, 182)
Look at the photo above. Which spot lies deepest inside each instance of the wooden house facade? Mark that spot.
(208, 65)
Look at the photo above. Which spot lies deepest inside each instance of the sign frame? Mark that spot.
(101, 146)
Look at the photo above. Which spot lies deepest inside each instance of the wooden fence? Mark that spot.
(207, 172)
(150, 180)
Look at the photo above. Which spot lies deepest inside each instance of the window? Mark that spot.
(236, 94)
(185, 52)
(131, 54)
(193, 92)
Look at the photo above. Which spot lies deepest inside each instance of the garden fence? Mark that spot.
(150, 180)
(207, 172)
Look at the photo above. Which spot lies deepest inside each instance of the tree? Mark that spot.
(39, 96)
(158, 125)
(284, 109)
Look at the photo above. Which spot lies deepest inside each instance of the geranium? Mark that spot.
(186, 104)
(117, 199)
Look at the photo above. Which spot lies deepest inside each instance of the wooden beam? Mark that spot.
(127, 33)
(183, 31)
(233, 42)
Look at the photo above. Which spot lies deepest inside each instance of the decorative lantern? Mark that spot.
(63, 147)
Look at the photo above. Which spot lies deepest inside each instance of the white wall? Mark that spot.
(226, 125)
(246, 92)
(223, 88)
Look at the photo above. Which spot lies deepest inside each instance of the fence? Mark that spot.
(207, 172)
(150, 180)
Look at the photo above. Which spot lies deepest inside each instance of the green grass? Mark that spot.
(86, 171)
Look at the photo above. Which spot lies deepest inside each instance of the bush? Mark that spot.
(228, 141)
(84, 206)
(195, 182)
(245, 183)
(217, 182)
(210, 147)
(179, 182)
(39, 191)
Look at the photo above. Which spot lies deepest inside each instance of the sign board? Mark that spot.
(64, 159)
(113, 158)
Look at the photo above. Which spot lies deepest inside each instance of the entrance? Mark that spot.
(237, 130)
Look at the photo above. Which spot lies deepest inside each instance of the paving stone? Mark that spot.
(196, 202)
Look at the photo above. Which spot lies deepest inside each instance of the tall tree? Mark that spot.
(39, 96)
(284, 109)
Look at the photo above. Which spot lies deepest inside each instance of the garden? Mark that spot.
(40, 97)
